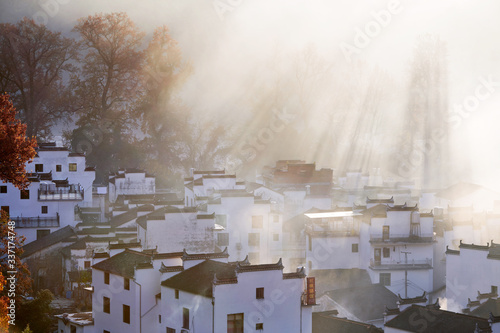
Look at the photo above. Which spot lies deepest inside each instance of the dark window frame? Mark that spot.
(3, 188)
(106, 305)
(355, 247)
(185, 318)
(126, 314)
(259, 293)
(126, 283)
(106, 277)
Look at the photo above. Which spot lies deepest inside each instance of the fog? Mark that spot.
(344, 95)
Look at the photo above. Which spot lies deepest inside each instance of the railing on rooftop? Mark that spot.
(406, 238)
(402, 264)
(72, 192)
(36, 222)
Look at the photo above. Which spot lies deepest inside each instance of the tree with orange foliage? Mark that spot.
(15, 151)
(15, 148)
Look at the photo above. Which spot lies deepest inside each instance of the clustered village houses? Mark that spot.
(297, 250)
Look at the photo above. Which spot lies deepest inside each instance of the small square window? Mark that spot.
(25, 194)
(259, 293)
(38, 167)
(40, 233)
(494, 289)
(126, 314)
(254, 239)
(106, 305)
(106, 278)
(257, 222)
(170, 330)
(385, 279)
(86, 264)
(223, 239)
(73, 329)
(354, 248)
(45, 209)
(3, 189)
(126, 283)
(58, 168)
(176, 293)
(72, 167)
(276, 237)
(259, 326)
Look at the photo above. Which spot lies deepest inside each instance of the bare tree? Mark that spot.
(33, 63)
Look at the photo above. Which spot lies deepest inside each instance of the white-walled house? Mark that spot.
(472, 270)
(401, 241)
(172, 229)
(60, 180)
(130, 181)
(236, 297)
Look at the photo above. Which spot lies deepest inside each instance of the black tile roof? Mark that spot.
(418, 318)
(203, 256)
(198, 279)
(123, 263)
(49, 240)
(365, 302)
(484, 310)
(324, 323)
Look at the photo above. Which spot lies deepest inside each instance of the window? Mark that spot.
(257, 222)
(223, 239)
(5, 209)
(3, 189)
(58, 168)
(254, 257)
(276, 218)
(354, 248)
(386, 252)
(385, 232)
(276, 237)
(385, 279)
(106, 331)
(45, 209)
(159, 319)
(309, 243)
(25, 194)
(494, 289)
(259, 326)
(185, 318)
(72, 167)
(254, 239)
(38, 167)
(86, 264)
(126, 314)
(72, 329)
(259, 293)
(106, 305)
(106, 278)
(40, 233)
(221, 220)
(176, 293)
(126, 283)
(170, 330)
(235, 323)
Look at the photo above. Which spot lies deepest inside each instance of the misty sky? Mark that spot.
(223, 46)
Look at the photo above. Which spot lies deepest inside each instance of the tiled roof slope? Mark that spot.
(123, 263)
(436, 321)
(49, 240)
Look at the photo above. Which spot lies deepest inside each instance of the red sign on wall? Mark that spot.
(311, 291)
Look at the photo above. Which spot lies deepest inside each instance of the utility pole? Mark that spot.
(406, 272)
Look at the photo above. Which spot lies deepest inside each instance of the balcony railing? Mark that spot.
(401, 265)
(401, 238)
(73, 192)
(331, 232)
(36, 222)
